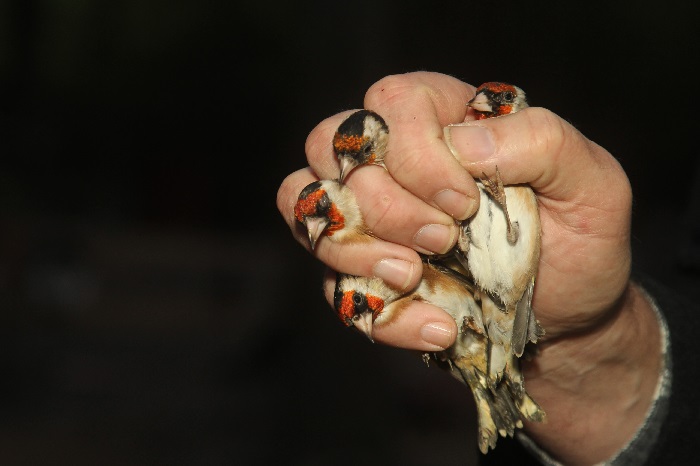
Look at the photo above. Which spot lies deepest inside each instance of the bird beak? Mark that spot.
(363, 322)
(346, 166)
(315, 227)
(481, 103)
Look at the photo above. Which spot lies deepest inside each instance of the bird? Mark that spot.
(494, 99)
(329, 208)
(499, 245)
(363, 302)
(361, 139)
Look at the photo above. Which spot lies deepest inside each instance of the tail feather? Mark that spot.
(500, 411)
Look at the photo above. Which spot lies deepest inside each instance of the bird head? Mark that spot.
(360, 139)
(495, 99)
(359, 301)
(317, 211)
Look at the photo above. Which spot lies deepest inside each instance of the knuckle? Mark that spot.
(319, 146)
(318, 141)
(550, 134)
(381, 200)
(378, 211)
(409, 162)
(288, 192)
(354, 259)
(385, 89)
(394, 90)
(285, 195)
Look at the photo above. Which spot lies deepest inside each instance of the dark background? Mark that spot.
(155, 308)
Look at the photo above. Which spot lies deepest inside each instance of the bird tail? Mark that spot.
(499, 413)
(502, 408)
(513, 379)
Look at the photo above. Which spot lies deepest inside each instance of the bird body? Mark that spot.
(504, 270)
(500, 244)
(498, 266)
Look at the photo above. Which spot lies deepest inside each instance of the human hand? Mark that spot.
(404, 218)
(597, 323)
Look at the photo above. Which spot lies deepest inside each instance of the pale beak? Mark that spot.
(347, 163)
(363, 322)
(481, 103)
(315, 227)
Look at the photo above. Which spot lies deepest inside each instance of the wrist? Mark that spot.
(597, 386)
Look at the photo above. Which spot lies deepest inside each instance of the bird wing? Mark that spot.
(522, 320)
(463, 279)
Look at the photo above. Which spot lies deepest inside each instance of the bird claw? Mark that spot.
(463, 240)
(494, 187)
(469, 323)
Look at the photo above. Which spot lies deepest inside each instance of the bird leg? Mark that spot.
(494, 187)
(463, 239)
(469, 323)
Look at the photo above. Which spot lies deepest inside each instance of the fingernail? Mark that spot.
(469, 143)
(437, 333)
(395, 272)
(455, 204)
(435, 238)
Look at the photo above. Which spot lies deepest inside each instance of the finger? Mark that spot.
(398, 265)
(391, 212)
(394, 214)
(420, 326)
(319, 147)
(416, 107)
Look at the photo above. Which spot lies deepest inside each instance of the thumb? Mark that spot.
(537, 147)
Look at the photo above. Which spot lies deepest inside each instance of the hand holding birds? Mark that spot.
(583, 296)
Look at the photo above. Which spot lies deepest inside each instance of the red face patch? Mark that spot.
(347, 308)
(337, 221)
(344, 144)
(376, 304)
(496, 87)
(504, 110)
(307, 207)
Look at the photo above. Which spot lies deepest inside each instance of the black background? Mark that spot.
(155, 308)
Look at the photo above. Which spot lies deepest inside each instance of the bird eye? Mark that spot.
(323, 205)
(358, 299)
(508, 96)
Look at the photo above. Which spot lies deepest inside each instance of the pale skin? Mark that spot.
(599, 363)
